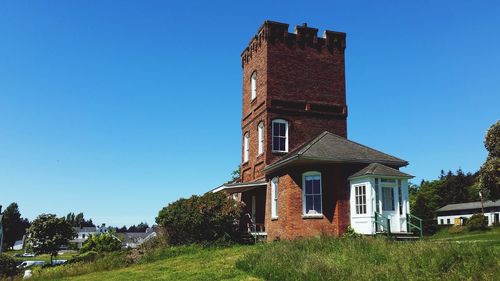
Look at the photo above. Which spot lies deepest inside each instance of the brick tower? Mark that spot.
(293, 90)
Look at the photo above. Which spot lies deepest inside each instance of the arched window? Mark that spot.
(274, 198)
(260, 128)
(245, 147)
(311, 194)
(280, 135)
(254, 84)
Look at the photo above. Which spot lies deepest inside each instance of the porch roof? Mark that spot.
(239, 187)
(331, 148)
(376, 169)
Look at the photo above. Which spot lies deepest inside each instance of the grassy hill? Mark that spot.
(326, 258)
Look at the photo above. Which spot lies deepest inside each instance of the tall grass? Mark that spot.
(103, 263)
(372, 259)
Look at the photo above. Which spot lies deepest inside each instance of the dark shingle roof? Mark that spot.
(328, 147)
(468, 206)
(376, 169)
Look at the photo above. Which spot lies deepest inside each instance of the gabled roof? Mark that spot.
(331, 148)
(376, 169)
(85, 229)
(469, 206)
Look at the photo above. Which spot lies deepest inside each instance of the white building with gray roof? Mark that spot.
(457, 214)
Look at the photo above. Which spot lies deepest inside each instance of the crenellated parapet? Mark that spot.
(303, 37)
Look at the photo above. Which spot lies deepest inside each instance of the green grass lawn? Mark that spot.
(45, 258)
(490, 236)
(307, 259)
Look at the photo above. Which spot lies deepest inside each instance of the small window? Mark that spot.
(254, 85)
(245, 147)
(280, 135)
(311, 188)
(274, 198)
(360, 197)
(400, 197)
(388, 198)
(442, 221)
(261, 137)
(448, 221)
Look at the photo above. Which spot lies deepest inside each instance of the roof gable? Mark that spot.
(376, 169)
(328, 147)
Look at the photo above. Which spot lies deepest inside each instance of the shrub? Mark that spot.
(477, 222)
(209, 218)
(85, 257)
(7, 266)
(456, 229)
(350, 233)
(105, 242)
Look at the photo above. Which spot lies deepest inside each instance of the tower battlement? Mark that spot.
(303, 37)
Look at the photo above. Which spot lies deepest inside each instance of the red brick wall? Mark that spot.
(335, 190)
(300, 78)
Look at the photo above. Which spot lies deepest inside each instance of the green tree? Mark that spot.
(48, 233)
(78, 220)
(489, 174)
(104, 242)
(201, 219)
(14, 226)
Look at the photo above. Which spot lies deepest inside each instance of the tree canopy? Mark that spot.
(78, 220)
(201, 219)
(489, 174)
(14, 225)
(48, 233)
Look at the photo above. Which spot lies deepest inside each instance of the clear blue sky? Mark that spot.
(115, 108)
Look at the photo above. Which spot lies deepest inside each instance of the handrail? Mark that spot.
(383, 221)
(412, 226)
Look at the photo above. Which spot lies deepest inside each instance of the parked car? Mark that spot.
(58, 262)
(28, 255)
(26, 264)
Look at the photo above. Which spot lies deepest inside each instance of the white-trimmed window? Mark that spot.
(280, 135)
(311, 194)
(260, 128)
(245, 147)
(388, 198)
(253, 83)
(360, 199)
(274, 198)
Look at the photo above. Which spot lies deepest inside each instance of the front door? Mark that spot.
(389, 206)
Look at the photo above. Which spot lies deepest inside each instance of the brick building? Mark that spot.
(300, 175)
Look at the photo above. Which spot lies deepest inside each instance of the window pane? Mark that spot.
(317, 203)
(276, 129)
(309, 203)
(276, 143)
(282, 144)
(316, 187)
(308, 187)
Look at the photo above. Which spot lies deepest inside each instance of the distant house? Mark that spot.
(457, 214)
(135, 239)
(83, 234)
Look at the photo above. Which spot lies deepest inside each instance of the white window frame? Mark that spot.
(279, 121)
(304, 211)
(246, 147)
(260, 129)
(253, 85)
(360, 199)
(274, 197)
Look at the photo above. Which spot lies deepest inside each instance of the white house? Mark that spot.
(458, 214)
(83, 234)
(379, 201)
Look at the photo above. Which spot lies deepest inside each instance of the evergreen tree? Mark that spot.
(14, 226)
